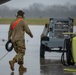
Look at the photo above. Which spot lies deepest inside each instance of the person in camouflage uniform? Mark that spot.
(16, 35)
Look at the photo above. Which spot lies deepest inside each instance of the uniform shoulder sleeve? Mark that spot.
(27, 29)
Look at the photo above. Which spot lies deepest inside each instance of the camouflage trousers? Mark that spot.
(19, 47)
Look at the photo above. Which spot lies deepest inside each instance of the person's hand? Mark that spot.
(32, 36)
(42, 35)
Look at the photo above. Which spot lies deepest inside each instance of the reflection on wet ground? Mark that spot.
(35, 66)
(52, 67)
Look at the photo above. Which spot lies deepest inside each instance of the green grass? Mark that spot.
(34, 21)
(39, 21)
(5, 20)
(31, 21)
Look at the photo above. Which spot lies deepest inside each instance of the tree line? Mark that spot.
(41, 11)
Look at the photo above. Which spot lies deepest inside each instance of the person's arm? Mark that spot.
(9, 32)
(27, 30)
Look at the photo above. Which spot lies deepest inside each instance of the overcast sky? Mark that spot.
(26, 3)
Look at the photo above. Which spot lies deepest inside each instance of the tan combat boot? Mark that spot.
(12, 73)
(21, 68)
(12, 62)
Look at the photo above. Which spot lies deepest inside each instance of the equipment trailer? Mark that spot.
(55, 40)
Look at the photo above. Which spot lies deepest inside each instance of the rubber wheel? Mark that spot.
(42, 47)
(42, 51)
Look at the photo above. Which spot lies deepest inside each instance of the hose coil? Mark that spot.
(7, 45)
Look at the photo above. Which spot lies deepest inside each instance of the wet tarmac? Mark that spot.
(50, 65)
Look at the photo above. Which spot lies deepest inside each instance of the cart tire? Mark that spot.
(42, 47)
(42, 51)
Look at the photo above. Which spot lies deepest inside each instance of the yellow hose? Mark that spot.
(70, 69)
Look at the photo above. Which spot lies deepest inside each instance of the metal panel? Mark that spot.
(54, 43)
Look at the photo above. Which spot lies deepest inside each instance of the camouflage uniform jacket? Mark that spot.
(18, 32)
